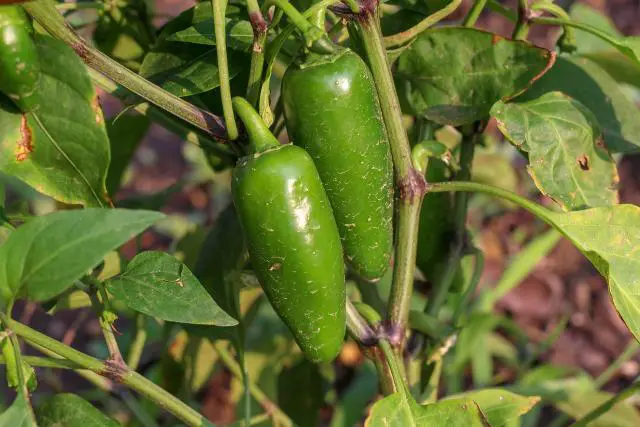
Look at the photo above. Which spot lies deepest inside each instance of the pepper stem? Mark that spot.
(260, 138)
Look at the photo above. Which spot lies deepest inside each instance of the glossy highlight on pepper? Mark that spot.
(292, 238)
(332, 111)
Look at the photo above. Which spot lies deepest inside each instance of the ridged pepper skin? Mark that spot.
(19, 65)
(294, 245)
(332, 111)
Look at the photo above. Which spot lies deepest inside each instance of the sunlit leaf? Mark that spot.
(590, 85)
(568, 159)
(158, 284)
(610, 239)
(500, 406)
(398, 410)
(45, 256)
(19, 414)
(61, 149)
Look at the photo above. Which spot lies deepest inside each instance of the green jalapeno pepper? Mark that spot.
(292, 237)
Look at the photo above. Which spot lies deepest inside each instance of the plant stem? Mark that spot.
(409, 182)
(521, 29)
(106, 318)
(358, 327)
(260, 29)
(185, 131)
(389, 368)
(46, 362)
(314, 36)
(632, 349)
(122, 375)
(45, 13)
(606, 406)
(55, 346)
(277, 415)
(164, 399)
(534, 208)
(139, 340)
(407, 35)
(441, 289)
(542, 20)
(475, 12)
(219, 8)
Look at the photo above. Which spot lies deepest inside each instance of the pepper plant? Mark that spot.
(353, 131)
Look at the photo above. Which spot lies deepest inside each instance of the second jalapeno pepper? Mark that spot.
(331, 110)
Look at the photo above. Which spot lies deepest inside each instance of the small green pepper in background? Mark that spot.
(436, 232)
(292, 237)
(19, 65)
(332, 111)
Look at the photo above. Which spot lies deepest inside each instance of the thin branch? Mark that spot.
(219, 25)
(408, 35)
(124, 376)
(475, 12)
(170, 122)
(45, 13)
(260, 28)
(358, 327)
(521, 29)
(277, 415)
(139, 340)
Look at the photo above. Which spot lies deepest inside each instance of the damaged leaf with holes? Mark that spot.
(61, 149)
(568, 158)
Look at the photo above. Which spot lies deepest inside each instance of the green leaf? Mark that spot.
(45, 256)
(239, 34)
(590, 85)
(61, 149)
(609, 238)
(158, 284)
(125, 133)
(454, 75)
(398, 410)
(186, 69)
(125, 31)
(70, 410)
(19, 414)
(567, 157)
(301, 392)
(499, 406)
